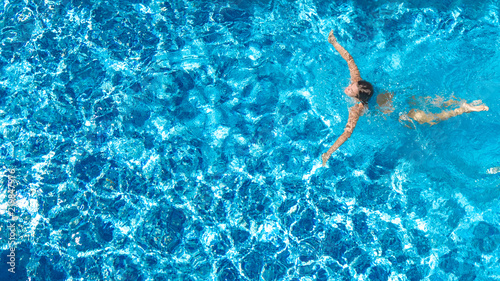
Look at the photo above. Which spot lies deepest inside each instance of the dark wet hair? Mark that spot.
(365, 91)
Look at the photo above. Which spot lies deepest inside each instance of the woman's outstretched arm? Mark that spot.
(354, 113)
(353, 68)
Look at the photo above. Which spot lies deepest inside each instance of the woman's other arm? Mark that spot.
(354, 113)
(353, 68)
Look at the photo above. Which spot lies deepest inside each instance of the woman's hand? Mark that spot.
(331, 38)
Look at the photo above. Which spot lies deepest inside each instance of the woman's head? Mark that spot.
(361, 90)
(365, 91)
(352, 90)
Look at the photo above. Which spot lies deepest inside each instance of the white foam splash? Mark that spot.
(494, 170)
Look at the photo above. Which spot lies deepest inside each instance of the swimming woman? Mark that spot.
(359, 89)
(362, 91)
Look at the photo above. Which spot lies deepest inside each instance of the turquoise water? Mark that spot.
(182, 140)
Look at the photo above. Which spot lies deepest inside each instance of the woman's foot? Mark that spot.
(476, 105)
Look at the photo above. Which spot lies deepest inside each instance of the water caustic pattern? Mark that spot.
(181, 140)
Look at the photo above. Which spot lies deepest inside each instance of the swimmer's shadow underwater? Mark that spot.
(362, 91)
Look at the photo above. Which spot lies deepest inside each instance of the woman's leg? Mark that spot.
(431, 118)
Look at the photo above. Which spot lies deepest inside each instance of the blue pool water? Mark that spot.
(181, 140)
